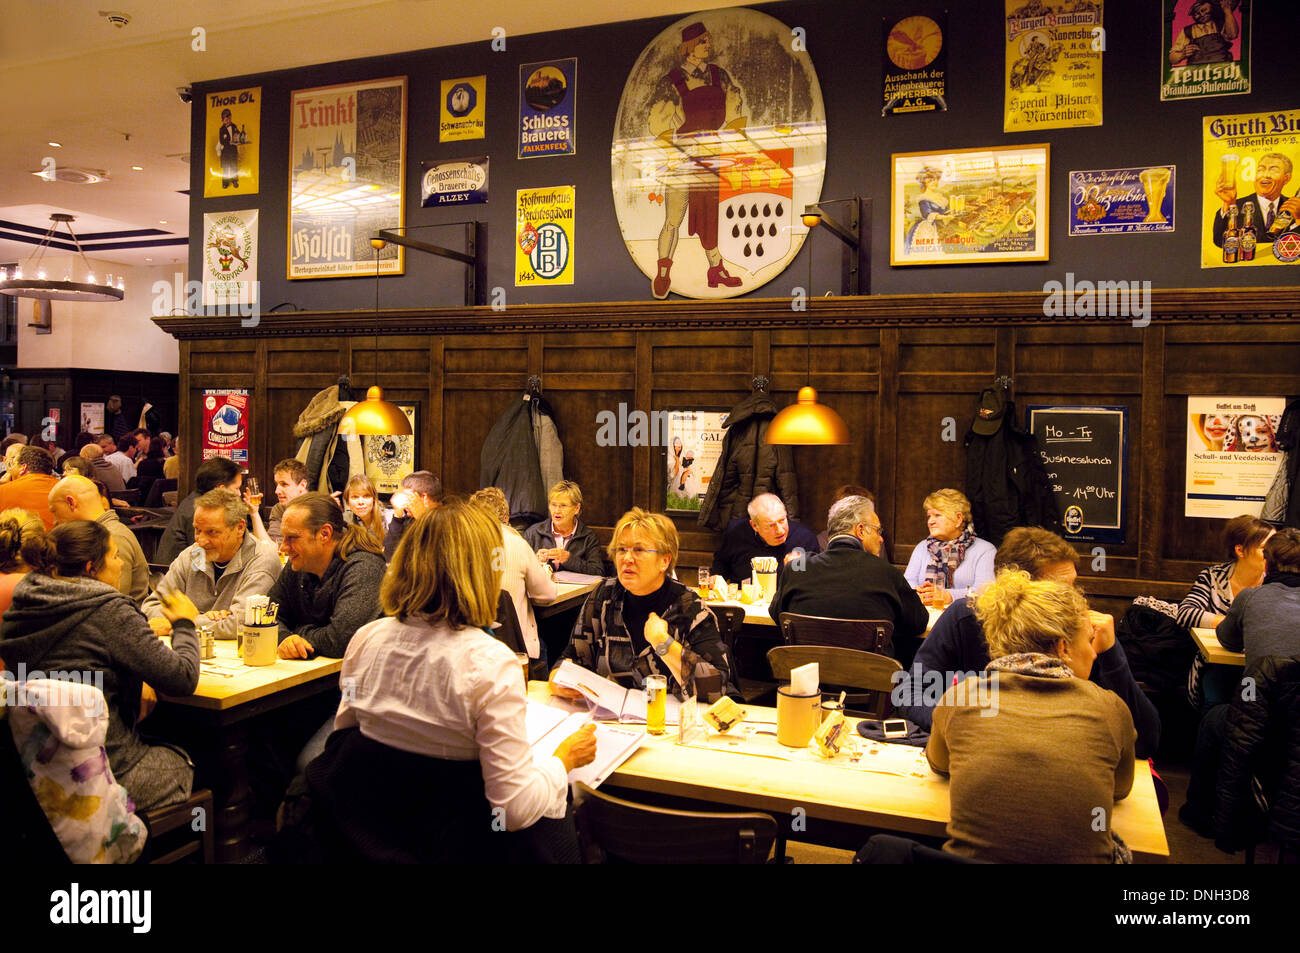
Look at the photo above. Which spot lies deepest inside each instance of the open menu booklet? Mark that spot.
(609, 701)
(548, 726)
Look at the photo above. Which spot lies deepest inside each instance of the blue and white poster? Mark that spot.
(454, 181)
(1115, 201)
(548, 119)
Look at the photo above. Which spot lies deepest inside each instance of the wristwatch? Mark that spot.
(663, 647)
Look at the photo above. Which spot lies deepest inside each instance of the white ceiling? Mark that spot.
(108, 94)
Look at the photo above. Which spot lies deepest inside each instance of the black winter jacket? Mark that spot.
(748, 466)
(510, 460)
(1262, 741)
(1006, 481)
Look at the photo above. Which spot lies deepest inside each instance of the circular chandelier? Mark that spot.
(29, 281)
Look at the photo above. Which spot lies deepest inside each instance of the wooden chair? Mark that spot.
(609, 827)
(865, 635)
(730, 619)
(842, 668)
(160, 849)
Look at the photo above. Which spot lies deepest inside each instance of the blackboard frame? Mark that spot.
(1089, 532)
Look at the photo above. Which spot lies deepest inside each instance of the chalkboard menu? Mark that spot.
(1084, 450)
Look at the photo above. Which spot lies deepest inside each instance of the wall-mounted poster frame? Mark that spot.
(347, 153)
(962, 206)
(390, 458)
(690, 440)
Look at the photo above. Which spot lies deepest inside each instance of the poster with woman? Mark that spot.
(230, 143)
(1232, 454)
(719, 143)
(694, 443)
(971, 205)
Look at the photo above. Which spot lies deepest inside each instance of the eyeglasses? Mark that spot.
(636, 551)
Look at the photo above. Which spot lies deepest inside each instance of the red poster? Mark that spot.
(225, 425)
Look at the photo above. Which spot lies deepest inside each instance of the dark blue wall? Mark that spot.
(844, 41)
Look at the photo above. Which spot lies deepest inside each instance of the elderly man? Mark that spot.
(225, 566)
(291, 479)
(179, 535)
(420, 492)
(769, 532)
(851, 581)
(29, 488)
(76, 498)
(103, 471)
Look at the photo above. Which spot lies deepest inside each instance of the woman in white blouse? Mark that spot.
(430, 680)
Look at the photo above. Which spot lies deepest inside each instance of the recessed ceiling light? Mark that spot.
(137, 168)
(162, 221)
(57, 145)
(148, 259)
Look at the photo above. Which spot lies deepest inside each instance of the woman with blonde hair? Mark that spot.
(643, 622)
(361, 506)
(952, 560)
(1027, 782)
(429, 680)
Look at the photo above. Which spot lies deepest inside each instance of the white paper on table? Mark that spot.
(805, 679)
(546, 727)
(610, 701)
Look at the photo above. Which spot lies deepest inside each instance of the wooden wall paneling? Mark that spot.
(643, 398)
(884, 481)
(432, 450)
(259, 435)
(1149, 464)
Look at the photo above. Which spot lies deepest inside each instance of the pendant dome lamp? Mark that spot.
(375, 416)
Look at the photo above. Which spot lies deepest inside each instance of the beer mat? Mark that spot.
(223, 667)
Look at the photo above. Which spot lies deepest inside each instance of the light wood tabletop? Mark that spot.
(568, 595)
(891, 787)
(756, 613)
(225, 681)
(1207, 640)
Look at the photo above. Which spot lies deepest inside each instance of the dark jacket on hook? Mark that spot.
(1006, 482)
(511, 458)
(748, 466)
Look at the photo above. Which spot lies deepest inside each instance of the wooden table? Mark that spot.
(1207, 640)
(568, 595)
(915, 803)
(756, 613)
(215, 723)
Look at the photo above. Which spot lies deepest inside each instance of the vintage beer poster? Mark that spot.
(225, 424)
(693, 444)
(388, 458)
(915, 64)
(1232, 454)
(719, 144)
(230, 258)
(1115, 201)
(232, 124)
(454, 181)
(1250, 213)
(462, 109)
(347, 150)
(1053, 64)
(548, 116)
(1205, 48)
(985, 205)
(544, 236)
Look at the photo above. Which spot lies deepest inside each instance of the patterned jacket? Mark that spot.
(602, 644)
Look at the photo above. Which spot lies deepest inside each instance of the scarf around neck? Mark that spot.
(1035, 664)
(945, 557)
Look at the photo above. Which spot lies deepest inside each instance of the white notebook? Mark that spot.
(610, 701)
(547, 727)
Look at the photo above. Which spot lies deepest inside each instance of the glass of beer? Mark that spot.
(656, 703)
(254, 491)
(1154, 183)
(1228, 163)
(704, 580)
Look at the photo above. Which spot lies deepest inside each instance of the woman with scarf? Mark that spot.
(1027, 784)
(952, 561)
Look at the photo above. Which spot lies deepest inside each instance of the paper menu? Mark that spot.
(546, 727)
(610, 701)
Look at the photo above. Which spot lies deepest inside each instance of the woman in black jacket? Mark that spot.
(67, 619)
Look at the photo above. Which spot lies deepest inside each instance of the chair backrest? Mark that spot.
(157, 489)
(843, 668)
(610, 827)
(730, 619)
(866, 635)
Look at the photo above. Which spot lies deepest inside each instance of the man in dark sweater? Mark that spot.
(769, 532)
(850, 580)
(179, 535)
(956, 648)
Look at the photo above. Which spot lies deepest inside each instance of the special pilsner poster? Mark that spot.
(1053, 65)
(347, 150)
(1250, 212)
(719, 143)
(544, 236)
(1232, 454)
(915, 64)
(230, 258)
(1205, 47)
(230, 143)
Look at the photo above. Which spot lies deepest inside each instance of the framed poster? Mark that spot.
(92, 418)
(548, 112)
(1115, 201)
(544, 236)
(232, 132)
(969, 205)
(230, 258)
(389, 458)
(914, 65)
(1232, 454)
(347, 150)
(1053, 64)
(1205, 48)
(1085, 452)
(692, 442)
(225, 425)
(462, 109)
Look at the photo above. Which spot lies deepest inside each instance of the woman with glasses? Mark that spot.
(643, 622)
(564, 541)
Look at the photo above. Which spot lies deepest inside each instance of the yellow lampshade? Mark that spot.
(375, 416)
(807, 423)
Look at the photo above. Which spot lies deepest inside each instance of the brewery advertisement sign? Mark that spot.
(1053, 64)
(1205, 47)
(1114, 201)
(544, 236)
(230, 142)
(692, 440)
(225, 425)
(347, 150)
(1232, 454)
(548, 118)
(915, 65)
(1250, 214)
(462, 109)
(230, 257)
(454, 181)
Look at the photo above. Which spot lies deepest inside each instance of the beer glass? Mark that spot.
(1154, 183)
(656, 698)
(1228, 169)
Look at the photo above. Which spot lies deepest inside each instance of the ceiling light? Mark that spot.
(162, 221)
(137, 168)
(21, 287)
(56, 145)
